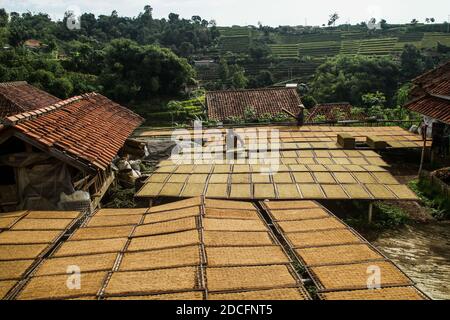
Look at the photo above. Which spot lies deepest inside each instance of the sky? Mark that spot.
(250, 12)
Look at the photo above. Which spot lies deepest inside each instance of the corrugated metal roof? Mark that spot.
(225, 104)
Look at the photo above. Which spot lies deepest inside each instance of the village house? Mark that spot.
(51, 148)
(331, 112)
(431, 98)
(224, 105)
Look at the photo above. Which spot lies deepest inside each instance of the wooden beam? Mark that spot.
(64, 157)
(101, 193)
(370, 215)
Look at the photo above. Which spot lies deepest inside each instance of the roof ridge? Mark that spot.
(248, 90)
(12, 83)
(14, 119)
(333, 103)
(418, 78)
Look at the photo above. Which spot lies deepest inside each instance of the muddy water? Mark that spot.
(423, 252)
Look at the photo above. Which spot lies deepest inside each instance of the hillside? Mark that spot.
(297, 54)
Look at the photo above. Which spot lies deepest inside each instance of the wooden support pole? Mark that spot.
(424, 148)
(370, 216)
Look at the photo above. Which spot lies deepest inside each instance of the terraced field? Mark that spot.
(234, 31)
(432, 39)
(350, 47)
(378, 47)
(235, 44)
(284, 50)
(286, 69)
(320, 49)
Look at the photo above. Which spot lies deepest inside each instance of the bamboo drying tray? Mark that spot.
(99, 233)
(245, 256)
(29, 237)
(231, 214)
(8, 222)
(284, 205)
(42, 224)
(355, 276)
(171, 226)
(311, 225)
(394, 293)
(233, 225)
(334, 191)
(14, 270)
(322, 238)
(341, 254)
(247, 278)
(263, 295)
(120, 212)
(111, 221)
(19, 252)
(217, 190)
(171, 240)
(15, 214)
(182, 296)
(228, 204)
(55, 287)
(154, 281)
(89, 263)
(233, 238)
(87, 247)
(172, 215)
(182, 204)
(298, 214)
(5, 287)
(158, 259)
(53, 214)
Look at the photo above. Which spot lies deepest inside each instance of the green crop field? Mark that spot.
(299, 54)
(431, 39)
(320, 49)
(377, 47)
(234, 43)
(284, 50)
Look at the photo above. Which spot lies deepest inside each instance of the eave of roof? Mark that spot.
(86, 131)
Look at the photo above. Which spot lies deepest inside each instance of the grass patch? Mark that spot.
(431, 198)
(119, 197)
(385, 216)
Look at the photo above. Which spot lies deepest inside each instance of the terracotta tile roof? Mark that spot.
(431, 94)
(330, 110)
(436, 81)
(434, 107)
(89, 128)
(18, 97)
(225, 104)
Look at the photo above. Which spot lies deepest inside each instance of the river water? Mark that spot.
(422, 251)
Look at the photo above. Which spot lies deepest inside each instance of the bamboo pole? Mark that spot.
(424, 137)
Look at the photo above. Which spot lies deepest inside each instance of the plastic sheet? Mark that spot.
(40, 180)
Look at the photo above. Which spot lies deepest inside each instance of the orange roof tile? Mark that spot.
(330, 110)
(90, 128)
(18, 97)
(225, 104)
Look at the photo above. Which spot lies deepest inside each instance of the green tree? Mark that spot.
(3, 18)
(333, 18)
(346, 78)
(374, 99)
(139, 72)
(238, 78)
(411, 61)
